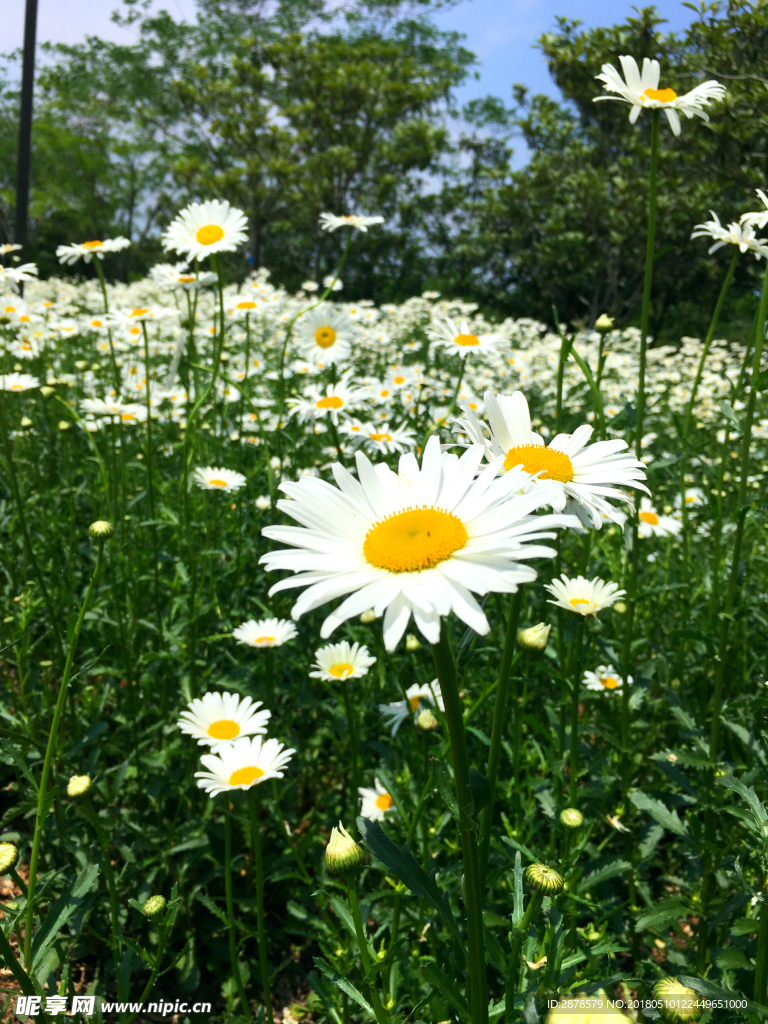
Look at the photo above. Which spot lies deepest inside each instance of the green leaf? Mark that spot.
(517, 912)
(663, 913)
(18, 759)
(447, 989)
(317, 986)
(62, 910)
(732, 958)
(344, 984)
(211, 906)
(480, 788)
(616, 867)
(748, 794)
(659, 812)
(409, 871)
(445, 789)
(344, 914)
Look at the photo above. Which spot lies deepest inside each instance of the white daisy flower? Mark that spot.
(25, 272)
(170, 276)
(265, 632)
(330, 222)
(140, 314)
(605, 677)
(333, 282)
(375, 802)
(416, 542)
(325, 335)
(337, 400)
(246, 762)
(218, 719)
(742, 235)
(641, 90)
(382, 438)
(416, 697)
(18, 382)
(202, 229)
(757, 218)
(342, 661)
(583, 596)
(212, 478)
(652, 524)
(460, 339)
(70, 254)
(586, 474)
(694, 496)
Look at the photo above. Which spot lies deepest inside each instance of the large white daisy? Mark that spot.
(586, 474)
(417, 542)
(325, 335)
(218, 719)
(202, 229)
(246, 762)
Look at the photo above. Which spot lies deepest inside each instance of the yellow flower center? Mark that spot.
(414, 540)
(185, 279)
(262, 641)
(245, 776)
(24, 319)
(610, 682)
(578, 600)
(380, 437)
(662, 95)
(96, 244)
(17, 387)
(649, 517)
(401, 380)
(10, 309)
(139, 312)
(466, 340)
(134, 330)
(535, 458)
(330, 402)
(209, 234)
(224, 729)
(127, 417)
(96, 323)
(342, 670)
(246, 305)
(384, 393)
(384, 802)
(415, 702)
(217, 483)
(325, 337)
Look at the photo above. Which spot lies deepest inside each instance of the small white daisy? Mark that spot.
(694, 497)
(202, 229)
(325, 335)
(342, 661)
(375, 802)
(70, 254)
(652, 524)
(265, 632)
(583, 596)
(330, 222)
(218, 719)
(605, 677)
(246, 762)
(416, 697)
(213, 478)
(18, 382)
(337, 400)
(460, 339)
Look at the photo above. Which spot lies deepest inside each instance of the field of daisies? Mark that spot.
(380, 664)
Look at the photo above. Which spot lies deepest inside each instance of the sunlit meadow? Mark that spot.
(380, 663)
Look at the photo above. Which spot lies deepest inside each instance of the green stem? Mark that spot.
(354, 756)
(43, 805)
(117, 945)
(151, 481)
(233, 958)
(113, 360)
(156, 967)
(446, 674)
(362, 943)
(761, 962)
(534, 905)
(264, 966)
(499, 722)
(576, 683)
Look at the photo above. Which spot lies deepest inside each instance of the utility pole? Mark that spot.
(25, 123)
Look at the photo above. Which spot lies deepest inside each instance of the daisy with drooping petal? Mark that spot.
(212, 478)
(742, 235)
(583, 596)
(342, 661)
(375, 802)
(265, 632)
(218, 719)
(460, 339)
(652, 524)
(246, 762)
(202, 229)
(417, 542)
(605, 677)
(586, 474)
(325, 335)
(70, 254)
(18, 382)
(641, 90)
(330, 222)
(416, 697)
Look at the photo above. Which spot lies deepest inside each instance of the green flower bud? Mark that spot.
(544, 879)
(342, 854)
(571, 818)
(8, 857)
(366, 617)
(81, 364)
(604, 323)
(46, 391)
(678, 1002)
(101, 530)
(26, 423)
(534, 638)
(412, 643)
(620, 607)
(154, 907)
(63, 425)
(426, 720)
(79, 785)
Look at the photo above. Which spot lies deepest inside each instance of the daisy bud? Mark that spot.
(412, 643)
(342, 854)
(620, 607)
(369, 616)
(101, 530)
(81, 364)
(8, 857)
(154, 907)
(677, 1002)
(604, 323)
(46, 391)
(426, 720)
(534, 638)
(544, 879)
(63, 425)
(571, 818)
(95, 367)
(79, 785)
(26, 422)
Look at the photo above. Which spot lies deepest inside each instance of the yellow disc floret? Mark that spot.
(649, 517)
(210, 234)
(224, 729)
(609, 682)
(245, 776)
(662, 95)
(535, 458)
(384, 802)
(325, 337)
(342, 670)
(466, 340)
(414, 540)
(330, 402)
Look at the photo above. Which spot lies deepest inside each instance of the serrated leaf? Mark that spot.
(445, 986)
(211, 906)
(62, 910)
(748, 794)
(659, 812)
(344, 984)
(318, 987)
(616, 867)
(663, 913)
(445, 789)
